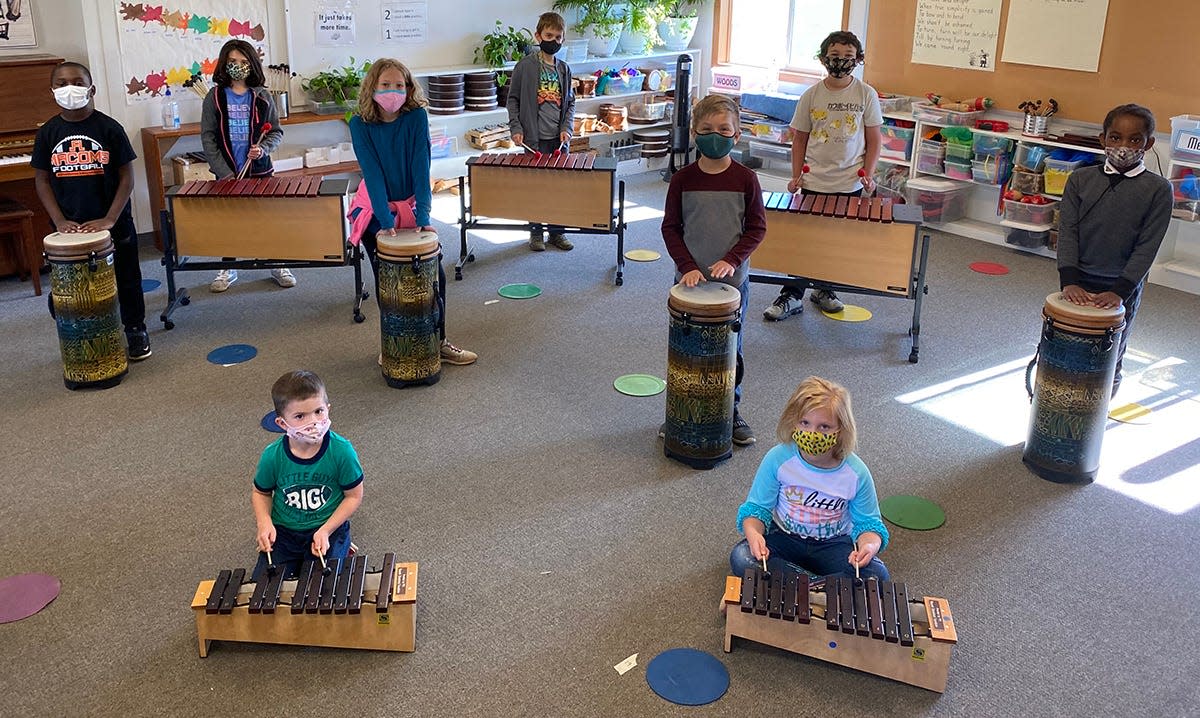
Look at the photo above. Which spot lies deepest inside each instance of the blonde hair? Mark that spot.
(817, 393)
(551, 20)
(367, 108)
(714, 105)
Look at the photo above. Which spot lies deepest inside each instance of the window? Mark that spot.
(787, 34)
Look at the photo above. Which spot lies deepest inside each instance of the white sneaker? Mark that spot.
(224, 278)
(283, 277)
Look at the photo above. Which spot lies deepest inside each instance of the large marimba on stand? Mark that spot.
(267, 223)
(348, 606)
(578, 192)
(848, 244)
(868, 625)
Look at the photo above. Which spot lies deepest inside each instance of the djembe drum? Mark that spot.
(409, 310)
(1076, 360)
(83, 298)
(701, 372)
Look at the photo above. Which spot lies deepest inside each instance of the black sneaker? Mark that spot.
(139, 343)
(742, 434)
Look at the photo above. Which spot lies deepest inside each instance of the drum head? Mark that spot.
(76, 244)
(1082, 317)
(706, 299)
(407, 244)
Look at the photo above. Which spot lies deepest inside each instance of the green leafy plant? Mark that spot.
(337, 85)
(678, 8)
(643, 17)
(596, 15)
(502, 46)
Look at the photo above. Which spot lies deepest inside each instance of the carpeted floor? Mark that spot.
(554, 538)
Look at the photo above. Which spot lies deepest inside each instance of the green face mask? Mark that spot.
(714, 145)
(814, 443)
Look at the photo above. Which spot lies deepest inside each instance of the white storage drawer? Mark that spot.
(767, 151)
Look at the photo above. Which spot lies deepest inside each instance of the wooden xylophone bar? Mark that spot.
(557, 161)
(325, 610)
(865, 245)
(256, 187)
(881, 630)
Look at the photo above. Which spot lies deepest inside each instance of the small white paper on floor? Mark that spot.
(624, 666)
(491, 301)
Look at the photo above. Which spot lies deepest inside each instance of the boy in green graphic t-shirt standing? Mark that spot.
(308, 482)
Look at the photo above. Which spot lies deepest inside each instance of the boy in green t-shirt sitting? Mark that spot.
(309, 481)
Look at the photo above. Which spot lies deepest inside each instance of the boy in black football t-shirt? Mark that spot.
(84, 175)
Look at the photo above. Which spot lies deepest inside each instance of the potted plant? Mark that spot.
(501, 46)
(678, 23)
(600, 21)
(641, 27)
(336, 91)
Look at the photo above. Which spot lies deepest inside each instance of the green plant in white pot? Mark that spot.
(641, 27)
(600, 21)
(678, 23)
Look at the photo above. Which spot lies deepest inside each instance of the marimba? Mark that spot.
(849, 244)
(574, 191)
(268, 223)
(349, 606)
(869, 625)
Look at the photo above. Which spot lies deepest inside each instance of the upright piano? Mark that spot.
(25, 104)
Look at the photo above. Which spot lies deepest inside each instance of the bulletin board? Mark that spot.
(1146, 57)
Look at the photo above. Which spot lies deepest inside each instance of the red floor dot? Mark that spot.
(989, 268)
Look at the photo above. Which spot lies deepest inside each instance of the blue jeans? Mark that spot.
(293, 547)
(820, 557)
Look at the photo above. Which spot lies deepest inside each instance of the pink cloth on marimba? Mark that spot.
(404, 209)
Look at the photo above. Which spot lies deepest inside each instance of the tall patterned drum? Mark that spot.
(701, 370)
(409, 310)
(83, 294)
(1076, 360)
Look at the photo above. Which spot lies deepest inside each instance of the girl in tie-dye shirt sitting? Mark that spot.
(812, 505)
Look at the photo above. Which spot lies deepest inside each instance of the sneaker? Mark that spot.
(453, 355)
(742, 435)
(557, 239)
(827, 301)
(283, 277)
(662, 431)
(380, 359)
(536, 243)
(224, 278)
(784, 306)
(139, 343)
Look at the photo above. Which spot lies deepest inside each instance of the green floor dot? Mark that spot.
(912, 512)
(520, 291)
(639, 385)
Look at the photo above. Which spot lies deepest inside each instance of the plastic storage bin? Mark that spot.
(931, 160)
(897, 142)
(992, 145)
(894, 103)
(1056, 173)
(1185, 192)
(575, 50)
(958, 169)
(936, 115)
(1027, 239)
(1185, 136)
(990, 169)
(1033, 214)
(1026, 182)
(1030, 157)
(959, 151)
(941, 200)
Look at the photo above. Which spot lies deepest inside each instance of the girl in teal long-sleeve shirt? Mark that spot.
(391, 141)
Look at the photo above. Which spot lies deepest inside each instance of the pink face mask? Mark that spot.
(314, 433)
(391, 100)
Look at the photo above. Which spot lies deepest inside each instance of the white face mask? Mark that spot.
(72, 97)
(314, 433)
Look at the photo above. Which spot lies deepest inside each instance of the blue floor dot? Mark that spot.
(687, 677)
(149, 285)
(268, 423)
(232, 354)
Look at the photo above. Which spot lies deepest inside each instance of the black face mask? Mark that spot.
(550, 47)
(839, 66)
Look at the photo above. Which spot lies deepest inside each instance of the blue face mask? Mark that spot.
(714, 145)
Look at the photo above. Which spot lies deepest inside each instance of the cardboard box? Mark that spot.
(187, 168)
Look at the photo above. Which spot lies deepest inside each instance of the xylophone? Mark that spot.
(348, 606)
(574, 191)
(267, 223)
(869, 625)
(864, 245)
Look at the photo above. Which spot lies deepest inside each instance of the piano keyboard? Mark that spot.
(16, 159)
